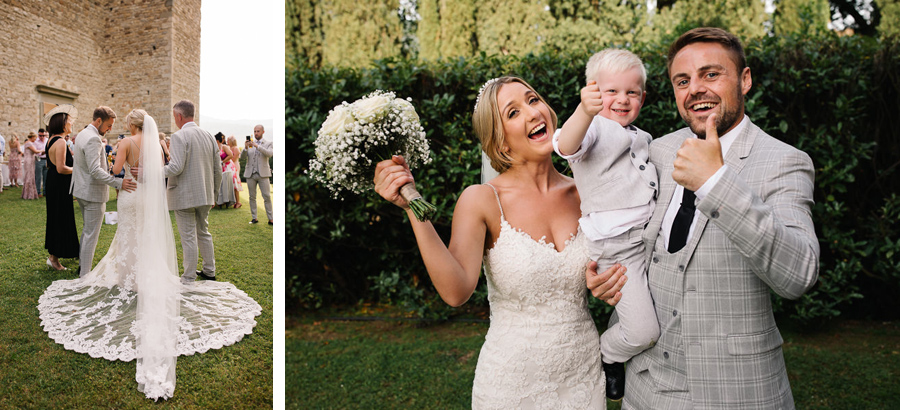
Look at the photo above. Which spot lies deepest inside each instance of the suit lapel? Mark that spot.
(739, 150)
(666, 190)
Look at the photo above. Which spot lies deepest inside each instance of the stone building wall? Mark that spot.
(124, 54)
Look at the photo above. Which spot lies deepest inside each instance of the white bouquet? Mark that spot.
(355, 137)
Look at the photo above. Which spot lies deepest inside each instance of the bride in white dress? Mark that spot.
(132, 305)
(542, 350)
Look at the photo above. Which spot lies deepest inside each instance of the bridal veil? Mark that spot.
(157, 282)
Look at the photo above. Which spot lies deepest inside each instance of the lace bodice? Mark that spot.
(542, 350)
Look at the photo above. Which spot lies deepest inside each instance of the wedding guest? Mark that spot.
(225, 194)
(165, 147)
(15, 160)
(61, 239)
(257, 152)
(106, 147)
(2, 153)
(40, 163)
(29, 191)
(238, 187)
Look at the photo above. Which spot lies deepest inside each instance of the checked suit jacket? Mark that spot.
(194, 170)
(719, 345)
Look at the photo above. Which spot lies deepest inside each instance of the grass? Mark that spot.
(38, 373)
(331, 364)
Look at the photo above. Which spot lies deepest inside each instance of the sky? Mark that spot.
(237, 57)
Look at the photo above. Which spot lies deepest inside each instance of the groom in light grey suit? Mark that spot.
(194, 172)
(91, 181)
(714, 260)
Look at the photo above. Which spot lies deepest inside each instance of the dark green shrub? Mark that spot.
(832, 97)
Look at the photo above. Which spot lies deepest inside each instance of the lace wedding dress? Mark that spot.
(132, 305)
(542, 350)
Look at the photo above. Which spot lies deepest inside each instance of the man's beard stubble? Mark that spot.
(725, 121)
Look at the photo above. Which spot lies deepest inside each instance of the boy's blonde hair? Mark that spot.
(614, 61)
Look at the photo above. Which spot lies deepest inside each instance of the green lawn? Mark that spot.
(35, 372)
(333, 364)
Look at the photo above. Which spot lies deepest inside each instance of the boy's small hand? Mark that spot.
(591, 99)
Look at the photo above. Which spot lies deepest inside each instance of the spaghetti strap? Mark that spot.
(496, 195)
(137, 156)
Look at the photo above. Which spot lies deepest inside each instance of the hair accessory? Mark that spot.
(481, 91)
(64, 108)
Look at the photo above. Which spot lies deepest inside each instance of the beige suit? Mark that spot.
(90, 185)
(194, 172)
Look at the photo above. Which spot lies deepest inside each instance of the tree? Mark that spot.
(849, 14)
(303, 31)
(801, 16)
(447, 28)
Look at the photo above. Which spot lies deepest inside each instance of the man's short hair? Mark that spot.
(104, 113)
(41, 130)
(185, 108)
(709, 35)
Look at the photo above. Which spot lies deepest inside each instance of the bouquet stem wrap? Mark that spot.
(423, 210)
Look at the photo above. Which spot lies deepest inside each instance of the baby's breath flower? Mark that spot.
(355, 137)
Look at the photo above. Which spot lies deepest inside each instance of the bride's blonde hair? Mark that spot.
(136, 118)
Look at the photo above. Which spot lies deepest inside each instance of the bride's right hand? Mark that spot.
(390, 176)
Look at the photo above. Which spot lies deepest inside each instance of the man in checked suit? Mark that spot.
(749, 230)
(194, 172)
(91, 181)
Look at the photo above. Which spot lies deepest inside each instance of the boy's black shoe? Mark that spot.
(615, 380)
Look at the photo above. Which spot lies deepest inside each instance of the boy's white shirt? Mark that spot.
(607, 224)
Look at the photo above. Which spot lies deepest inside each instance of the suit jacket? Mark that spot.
(194, 170)
(260, 156)
(719, 341)
(612, 174)
(90, 172)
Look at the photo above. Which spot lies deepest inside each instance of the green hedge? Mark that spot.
(832, 97)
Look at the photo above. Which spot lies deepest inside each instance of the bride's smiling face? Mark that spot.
(527, 123)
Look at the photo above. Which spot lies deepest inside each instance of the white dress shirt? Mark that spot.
(666, 228)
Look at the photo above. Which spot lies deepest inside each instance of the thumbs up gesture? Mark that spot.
(698, 159)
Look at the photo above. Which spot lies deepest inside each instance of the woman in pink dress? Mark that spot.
(226, 195)
(236, 153)
(29, 190)
(15, 160)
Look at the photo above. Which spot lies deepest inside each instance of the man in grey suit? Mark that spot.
(91, 181)
(713, 259)
(257, 172)
(194, 172)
